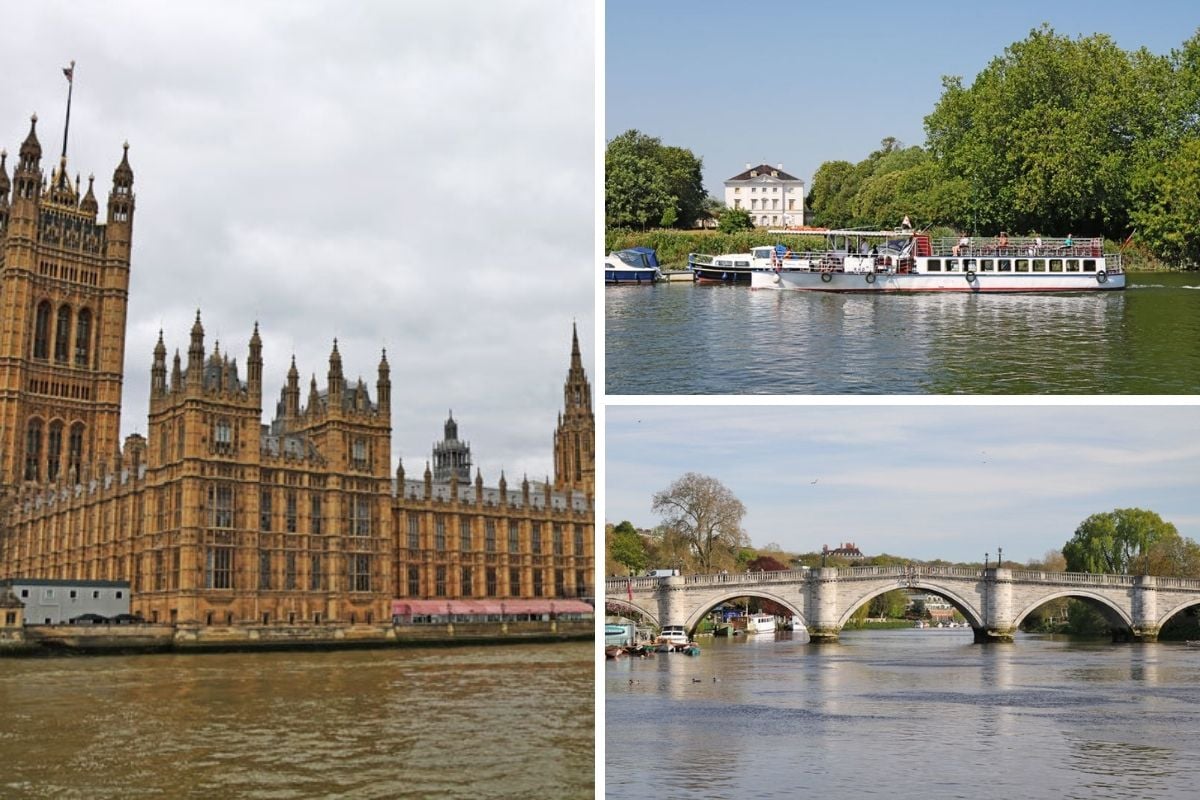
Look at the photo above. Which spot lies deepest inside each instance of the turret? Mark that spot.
(195, 368)
(314, 399)
(88, 203)
(336, 381)
(120, 201)
(383, 386)
(254, 365)
(27, 177)
(176, 374)
(158, 372)
(4, 188)
(428, 482)
(291, 393)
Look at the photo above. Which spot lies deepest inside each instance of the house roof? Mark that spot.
(764, 170)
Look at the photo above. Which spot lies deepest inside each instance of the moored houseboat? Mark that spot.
(637, 265)
(885, 261)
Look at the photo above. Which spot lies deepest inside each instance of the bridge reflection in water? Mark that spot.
(993, 601)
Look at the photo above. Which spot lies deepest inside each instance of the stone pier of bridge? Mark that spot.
(994, 601)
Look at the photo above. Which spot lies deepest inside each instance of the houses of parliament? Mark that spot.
(215, 518)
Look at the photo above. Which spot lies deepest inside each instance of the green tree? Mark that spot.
(647, 183)
(1118, 541)
(626, 547)
(703, 513)
(1167, 217)
(733, 220)
(685, 182)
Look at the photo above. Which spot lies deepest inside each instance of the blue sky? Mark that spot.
(924, 481)
(720, 78)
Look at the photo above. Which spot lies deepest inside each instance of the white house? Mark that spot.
(772, 196)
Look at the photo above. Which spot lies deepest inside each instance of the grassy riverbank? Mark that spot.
(673, 246)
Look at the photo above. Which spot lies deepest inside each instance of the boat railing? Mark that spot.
(703, 259)
(1020, 246)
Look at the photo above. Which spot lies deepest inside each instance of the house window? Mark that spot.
(62, 335)
(464, 535)
(560, 583)
(289, 520)
(289, 571)
(33, 450)
(358, 453)
(83, 337)
(538, 587)
(578, 540)
(264, 510)
(514, 581)
(264, 569)
(314, 572)
(491, 581)
(75, 448)
(514, 537)
(580, 583)
(439, 583)
(223, 435)
(535, 537)
(360, 572)
(439, 533)
(53, 450)
(218, 568)
(414, 532)
(41, 335)
(489, 528)
(414, 581)
(315, 513)
(360, 515)
(466, 581)
(220, 505)
(558, 540)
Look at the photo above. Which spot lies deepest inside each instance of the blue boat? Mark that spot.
(635, 265)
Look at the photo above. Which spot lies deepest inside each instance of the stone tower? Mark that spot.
(64, 281)
(452, 456)
(575, 436)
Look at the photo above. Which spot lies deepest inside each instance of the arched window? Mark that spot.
(75, 448)
(41, 331)
(62, 334)
(53, 450)
(83, 337)
(33, 450)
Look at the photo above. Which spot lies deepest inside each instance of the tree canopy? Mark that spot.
(649, 184)
(1125, 541)
(626, 547)
(702, 512)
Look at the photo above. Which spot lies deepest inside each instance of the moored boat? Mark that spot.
(636, 265)
(887, 261)
(760, 623)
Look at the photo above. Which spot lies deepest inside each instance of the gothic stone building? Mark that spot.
(214, 517)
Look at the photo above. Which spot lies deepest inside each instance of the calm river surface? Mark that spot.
(678, 338)
(478, 722)
(906, 714)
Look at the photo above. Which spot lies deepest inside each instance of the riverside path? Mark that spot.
(993, 601)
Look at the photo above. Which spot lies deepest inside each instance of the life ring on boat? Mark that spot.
(1102, 277)
(970, 276)
(826, 276)
(870, 277)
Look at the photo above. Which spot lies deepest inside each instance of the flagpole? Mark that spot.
(70, 73)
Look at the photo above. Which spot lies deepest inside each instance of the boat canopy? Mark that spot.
(638, 256)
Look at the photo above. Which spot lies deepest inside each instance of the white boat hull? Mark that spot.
(760, 624)
(979, 283)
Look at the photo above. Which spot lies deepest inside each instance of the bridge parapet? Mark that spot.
(1074, 578)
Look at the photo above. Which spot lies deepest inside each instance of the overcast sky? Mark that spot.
(802, 83)
(944, 481)
(415, 176)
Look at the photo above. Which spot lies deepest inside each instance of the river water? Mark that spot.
(906, 714)
(477, 722)
(678, 338)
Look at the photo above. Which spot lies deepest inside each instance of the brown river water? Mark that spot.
(479, 722)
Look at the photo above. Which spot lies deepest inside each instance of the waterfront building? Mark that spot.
(215, 518)
(53, 602)
(772, 196)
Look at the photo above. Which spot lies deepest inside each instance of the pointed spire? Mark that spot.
(383, 386)
(123, 174)
(158, 372)
(314, 398)
(31, 148)
(195, 366)
(176, 374)
(400, 475)
(254, 365)
(160, 349)
(89, 203)
(4, 183)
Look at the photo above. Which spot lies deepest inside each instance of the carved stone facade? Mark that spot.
(213, 517)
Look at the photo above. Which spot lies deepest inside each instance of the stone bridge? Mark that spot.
(994, 601)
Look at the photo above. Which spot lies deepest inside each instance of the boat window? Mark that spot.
(1005, 265)
(741, 263)
(987, 265)
(1039, 265)
(1089, 265)
(1056, 265)
(723, 263)
(968, 263)
(1072, 265)
(951, 265)
(1022, 265)
(933, 265)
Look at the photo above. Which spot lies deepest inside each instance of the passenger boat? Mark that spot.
(891, 261)
(760, 623)
(635, 265)
(674, 635)
(730, 268)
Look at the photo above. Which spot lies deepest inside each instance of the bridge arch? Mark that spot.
(1186, 604)
(1112, 612)
(652, 616)
(972, 615)
(713, 601)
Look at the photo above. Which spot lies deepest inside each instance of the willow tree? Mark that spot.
(1123, 541)
(705, 514)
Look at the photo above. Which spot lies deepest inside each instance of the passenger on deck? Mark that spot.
(1068, 242)
(1002, 243)
(964, 244)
